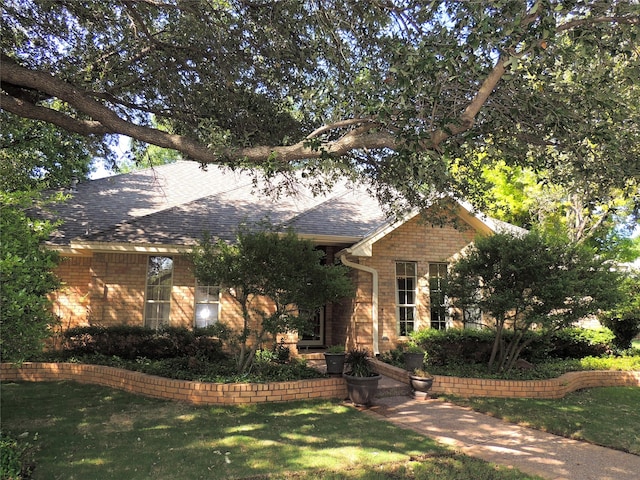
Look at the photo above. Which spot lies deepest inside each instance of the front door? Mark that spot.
(315, 336)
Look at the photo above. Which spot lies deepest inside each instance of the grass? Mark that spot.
(84, 431)
(605, 416)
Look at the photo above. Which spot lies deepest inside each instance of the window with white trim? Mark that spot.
(158, 292)
(406, 282)
(437, 296)
(207, 308)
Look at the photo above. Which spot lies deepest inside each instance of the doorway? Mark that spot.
(315, 336)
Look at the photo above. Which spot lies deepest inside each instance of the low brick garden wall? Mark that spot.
(551, 388)
(203, 393)
(197, 393)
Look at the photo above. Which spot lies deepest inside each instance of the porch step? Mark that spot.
(396, 391)
(388, 387)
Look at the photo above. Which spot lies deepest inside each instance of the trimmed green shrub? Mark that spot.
(581, 342)
(465, 346)
(129, 343)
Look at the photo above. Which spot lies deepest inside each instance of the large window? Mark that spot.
(406, 297)
(207, 305)
(437, 296)
(158, 292)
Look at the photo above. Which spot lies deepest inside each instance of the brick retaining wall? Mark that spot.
(198, 393)
(203, 393)
(551, 388)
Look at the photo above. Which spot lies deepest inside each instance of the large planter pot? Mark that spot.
(335, 363)
(362, 390)
(420, 386)
(413, 361)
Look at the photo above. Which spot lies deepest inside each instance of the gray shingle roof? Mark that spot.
(173, 204)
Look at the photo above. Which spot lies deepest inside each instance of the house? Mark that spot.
(123, 240)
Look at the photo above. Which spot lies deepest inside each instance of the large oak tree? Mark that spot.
(403, 93)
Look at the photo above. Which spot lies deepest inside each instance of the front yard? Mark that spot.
(83, 431)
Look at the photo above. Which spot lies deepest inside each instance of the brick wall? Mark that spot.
(551, 388)
(198, 393)
(109, 289)
(414, 241)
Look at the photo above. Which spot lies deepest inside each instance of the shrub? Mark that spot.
(625, 330)
(129, 343)
(14, 459)
(465, 346)
(581, 342)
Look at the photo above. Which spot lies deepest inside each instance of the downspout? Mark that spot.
(374, 299)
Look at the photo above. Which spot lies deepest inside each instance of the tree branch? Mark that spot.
(104, 120)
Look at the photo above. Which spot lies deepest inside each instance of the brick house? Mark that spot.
(123, 241)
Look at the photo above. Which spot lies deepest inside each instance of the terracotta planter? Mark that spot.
(362, 390)
(335, 363)
(420, 386)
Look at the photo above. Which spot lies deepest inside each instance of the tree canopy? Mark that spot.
(530, 282)
(402, 93)
(284, 269)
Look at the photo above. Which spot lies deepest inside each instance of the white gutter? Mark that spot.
(374, 299)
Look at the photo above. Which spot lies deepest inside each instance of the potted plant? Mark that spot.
(334, 357)
(362, 380)
(421, 382)
(413, 356)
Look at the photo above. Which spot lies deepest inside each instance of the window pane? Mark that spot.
(406, 296)
(206, 314)
(157, 315)
(158, 294)
(207, 294)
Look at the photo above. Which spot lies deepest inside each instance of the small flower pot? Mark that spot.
(335, 363)
(420, 386)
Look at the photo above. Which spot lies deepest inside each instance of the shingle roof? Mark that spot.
(174, 204)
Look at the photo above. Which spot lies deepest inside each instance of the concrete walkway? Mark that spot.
(485, 437)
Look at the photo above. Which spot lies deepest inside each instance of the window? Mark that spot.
(207, 305)
(437, 296)
(406, 297)
(158, 292)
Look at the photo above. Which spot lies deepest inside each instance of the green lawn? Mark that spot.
(89, 432)
(604, 416)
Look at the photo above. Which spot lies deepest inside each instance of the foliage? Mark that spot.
(15, 458)
(624, 320)
(26, 272)
(466, 352)
(36, 155)
(405, 94)
(281, 268)
(132, 342)
(529, 282)
(336, 349)
(357, 361)
(585, 211)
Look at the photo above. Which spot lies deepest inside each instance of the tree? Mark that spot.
(26, 318)
(278, 281)
(401, 93)
(624, 319)
(582, 210)
(34, 156)
(530, 282)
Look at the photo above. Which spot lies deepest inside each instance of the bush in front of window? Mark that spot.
(129, 343)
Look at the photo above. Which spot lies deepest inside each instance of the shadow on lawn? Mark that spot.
(84, 431)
